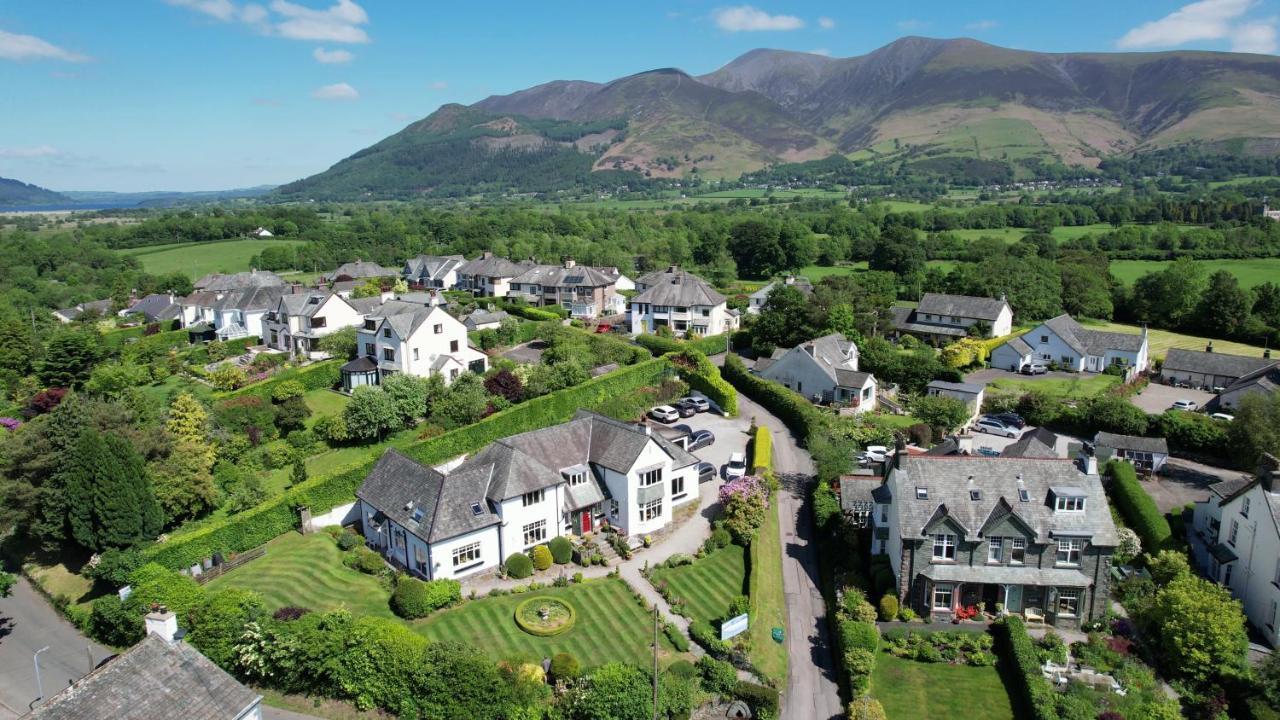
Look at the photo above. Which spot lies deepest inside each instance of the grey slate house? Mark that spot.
(681, 301)
(942, 318)
(1209, 370)
(433, 271)
(98, 307)
(1259, 382)
(156, 307)
(160, 678)
(1147, 454)
(218, 282)
(1034, 535)
(1038, 443)
(484, 319)
(824, 369)
(360, 270)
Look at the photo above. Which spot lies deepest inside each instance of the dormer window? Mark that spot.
(370, 324)
(922, 493)
(1068, 503)
(575, 476)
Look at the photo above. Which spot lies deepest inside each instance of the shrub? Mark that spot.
(1137, 508)
(858, 665)
(706, 636)
(920, 435)
(683, 669)
(854, 605)
(721, 537)
(564, 666)
(906, 614)
(365, 560)
(677, 638)
(347, 541)
(762, 700)
(865, 708)
(561, 550)
(703, 376)
(888, 608)
(718, 676)
(287, 389)
(114, 623)
(856, 634)
(678, 560)
(519, 566)
(541, 557)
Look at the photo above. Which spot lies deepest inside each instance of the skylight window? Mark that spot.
(975, 494)
(417, 515)
(922, 493)
(1023, 495)
(476, 509)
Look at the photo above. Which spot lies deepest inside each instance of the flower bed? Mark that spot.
(545, 616)
(957, 648)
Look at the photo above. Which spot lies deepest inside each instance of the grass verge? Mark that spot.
(768, 602)
(709, 584)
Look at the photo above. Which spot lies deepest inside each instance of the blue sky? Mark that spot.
(209, 94)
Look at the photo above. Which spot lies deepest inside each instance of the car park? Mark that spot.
(685, 409)
(698, 402)
(1188, 405)
(700, 439)
(995, 427)
(1035, 369)
(706, 472)
(664, 413)
(736, 467)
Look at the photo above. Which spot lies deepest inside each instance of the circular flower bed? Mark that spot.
(545, 616)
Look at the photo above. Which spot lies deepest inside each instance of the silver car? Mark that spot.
(995, 427)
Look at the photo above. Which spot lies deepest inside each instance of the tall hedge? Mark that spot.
(1137, 508)
(317, 376)
(703, 376)
(761, 450)
(796, 412)
(1014, 645)
(658, 345)
(277, 516)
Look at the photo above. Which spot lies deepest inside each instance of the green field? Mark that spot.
(910, 690)
(1159, 341)
(611, 626)
(709, 584)
(768, 603)
(196, 259)
(1250, 272)
(1082, 386)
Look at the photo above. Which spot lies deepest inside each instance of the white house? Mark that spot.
(484, 320)
(433, 271)
(1259, 382)
(1064, 341)
(1235, 541)
(757, 299)
(681, 301)
(1148, 454)
(489, 275)
(825, 369)
(262, 233)
(940, 317)
(1210, 370)
(409, 337)
(586, 292)
(298, 321)
(971, 394)
(231, 314)
(521, 491)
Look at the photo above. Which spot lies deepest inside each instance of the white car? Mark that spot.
(1227, 417)
(664, 413)
(1188, 405)
(736, 467)
(873, 454)
(995, 427)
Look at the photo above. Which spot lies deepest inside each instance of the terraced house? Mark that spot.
(585, 292)
(1032, 535)
(522, 491)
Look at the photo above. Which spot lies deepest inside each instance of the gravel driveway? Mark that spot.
(1156, 398)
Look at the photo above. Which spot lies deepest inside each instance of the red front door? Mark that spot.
(586, 521)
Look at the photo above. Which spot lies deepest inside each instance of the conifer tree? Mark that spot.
(111, 501)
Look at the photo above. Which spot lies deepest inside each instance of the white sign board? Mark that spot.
(733, 626)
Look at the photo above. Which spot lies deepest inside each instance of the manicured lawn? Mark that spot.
(768, 603)
(896, 422)
(1159, 341)
(307, 571)
(196, 259)
(611, 625)
(709, 584)
(324, 403)
(1250, 272)
(1082, 386)
(909, 690)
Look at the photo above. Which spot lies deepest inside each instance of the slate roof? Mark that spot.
(256, 298)
(399, 486)
(360, 269)
(904, 319)
(957, 387)
(301, 303)
(484, 317)
(799, 282)
(1005, 574)
(858, 492)
(99, 306)
(432, 266)
(852, 378)
(677, 287)
(153, 680)
(490, 265)
(1213, 363)
(157, 306)
(963, 306)
(561, 276)
(1227, 488)
(1266, 379)
(1038, 443)
(833, 354)
(404, 317)
(1131, 442)
(1019, 346)
(1092, 342)
(238, 281)
(950, 478)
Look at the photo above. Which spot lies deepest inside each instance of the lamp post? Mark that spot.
(39, 685)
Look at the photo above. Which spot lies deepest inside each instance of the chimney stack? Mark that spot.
(569, 264)
(964, 444)
(162, 622)
(1209, 347)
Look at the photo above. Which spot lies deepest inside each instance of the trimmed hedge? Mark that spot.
(531, 313)
(277, 516)
(762, 700)
(709, 345)
(658, 345)
(150, 345)
(317, 376)
(561, 550)
(1017, 650)
(703, 376)
(414, 598)
(795, 412)
(540, 631)
(1137, 508)
(761, 450)
(518, 566)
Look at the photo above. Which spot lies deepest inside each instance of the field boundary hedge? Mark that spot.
(317, 376)
(796, 413)
(703, 376)
(275, 517)
(1137, 508)
(761, 450)
(1023, 662)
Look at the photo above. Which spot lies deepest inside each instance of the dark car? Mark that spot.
(1013, 419)
(686, 409)
(700, 439)
(706, 472)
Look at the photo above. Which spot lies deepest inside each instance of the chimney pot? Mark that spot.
(164, 623)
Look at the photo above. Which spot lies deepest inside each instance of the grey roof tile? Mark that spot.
(965, 306)
(1214, 363)
(1038, 443)
(676, 287)
(1131, 442)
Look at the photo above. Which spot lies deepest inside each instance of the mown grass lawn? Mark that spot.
(709, 584)
(1251, 272)
(1084, 385)
(768, 603)
(196, 259)
(910, 690)
(324, 402)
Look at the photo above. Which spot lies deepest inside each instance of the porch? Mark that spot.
(1053, 596)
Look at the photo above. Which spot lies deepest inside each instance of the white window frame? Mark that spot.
(942, 589)
(1019, 545)
(650, 477)
(468, 554)
(946, 542)
(1070, 598)
(537, 530)
(651, 510)
(677, 487)
(995, 550)
(1069, 548)
(1235, 531)
(533, 497)
(1068, 503)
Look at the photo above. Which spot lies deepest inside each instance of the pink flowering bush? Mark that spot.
(744, 502)
(10, 424)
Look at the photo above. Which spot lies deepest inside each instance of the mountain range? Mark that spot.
(15, 192)
(912, 101)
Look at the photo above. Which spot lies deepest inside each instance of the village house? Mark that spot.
(520, 492)
(156, 307)
(1064, 343)
(1146, 454)
(418, 338)
(1265, 381)
(360, 270)
(230, 314)
(971, 394)
(584, 291)
(433, 271)
(161, 677)
(940, 318)
(1209, 370)
(484, 319)
(93, 307)
(238, 281)
(489, 275)
(681, 301)
(825, 369)
(299, 320)
(757, 299)
(1032, 535)
(1235, 541)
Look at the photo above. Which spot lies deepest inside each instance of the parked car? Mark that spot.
(699, 403)
(995, 427)
(1010, 419)
(664, 413)
(685, 409)
(1035, 369)
(736, 467)
(700, 439)
(1188, 405)
(873, 453)
(1228, 417)
(706, 472)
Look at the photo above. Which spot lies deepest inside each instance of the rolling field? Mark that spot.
(196, 259)
(709, 584)
(1250, 272)
(909, 690)
(611, 625)
(1159, 341)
